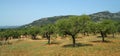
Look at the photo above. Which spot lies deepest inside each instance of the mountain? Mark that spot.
(105, 15)
(5, 27)
(48, 20)
(95, 17)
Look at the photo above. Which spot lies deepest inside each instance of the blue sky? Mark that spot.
(20, 12)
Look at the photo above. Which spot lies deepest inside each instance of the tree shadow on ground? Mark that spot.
(36, 39)
(57, 43)
(105, 37)
(99, 41)
(99, 36)
(53, 43)
(77, 45)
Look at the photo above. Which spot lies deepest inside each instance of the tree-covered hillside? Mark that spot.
(95, 17)
(105, 15)
(47, 20)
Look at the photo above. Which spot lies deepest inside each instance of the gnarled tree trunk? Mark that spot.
(48, 37)
(103, 36)
(73, 38)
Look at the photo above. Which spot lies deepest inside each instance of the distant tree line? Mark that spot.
(71, 26)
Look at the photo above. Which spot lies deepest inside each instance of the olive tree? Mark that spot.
(33, 31)
(106, 26)
(47, 31)
(84, 21)
(71, 26)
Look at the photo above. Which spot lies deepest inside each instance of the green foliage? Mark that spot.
(68, 26)
(107, 26)
(73, 26)
(9, 33)
(50, 28)
(47, 31)
(118, 26)
(92, 27)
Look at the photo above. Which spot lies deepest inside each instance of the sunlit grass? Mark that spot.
(40, 48)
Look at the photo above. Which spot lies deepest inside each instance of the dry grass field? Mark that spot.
(86, 46)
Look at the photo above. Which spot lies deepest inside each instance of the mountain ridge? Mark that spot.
(95, 17)
(6, 27)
